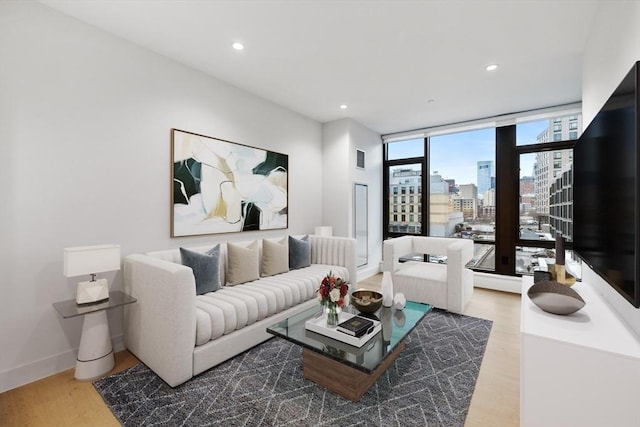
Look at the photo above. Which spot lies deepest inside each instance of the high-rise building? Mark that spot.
(486, 171)
(405, 201)
(527, 193)
(468, 191)
(549, 165)
(561, 204)
(468, 207)
(452, 185)
(442, 217)
(489, 197)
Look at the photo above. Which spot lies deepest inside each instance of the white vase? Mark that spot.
(399, 301)
(387, 289)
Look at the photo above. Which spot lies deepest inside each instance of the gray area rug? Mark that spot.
(429, 384)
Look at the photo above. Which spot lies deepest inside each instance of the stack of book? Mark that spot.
(356, 326)
(365, 333)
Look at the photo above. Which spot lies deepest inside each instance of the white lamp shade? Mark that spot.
(83, 260)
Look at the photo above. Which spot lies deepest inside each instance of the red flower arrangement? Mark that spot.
(333, 292)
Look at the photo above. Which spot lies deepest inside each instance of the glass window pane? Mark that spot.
(529, 259)
(400, 179)
(462, 191)
(546, 199)
(549, 130)
(484, 257)
(405, 149)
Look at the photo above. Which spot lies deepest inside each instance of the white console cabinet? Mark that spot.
(578, 370)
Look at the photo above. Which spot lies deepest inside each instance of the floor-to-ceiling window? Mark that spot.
(462, 190)
(545, 158)
(403, 175)
(468, 199)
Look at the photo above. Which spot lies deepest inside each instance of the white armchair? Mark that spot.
(448, 286)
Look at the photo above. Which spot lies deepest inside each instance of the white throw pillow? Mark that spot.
(242, 263)
(275, 257)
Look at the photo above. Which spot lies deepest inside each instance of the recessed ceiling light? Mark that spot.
(343, 106)
(430, 101)
(237, 46)
(491, 67)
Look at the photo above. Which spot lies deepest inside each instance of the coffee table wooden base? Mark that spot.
(344, 380)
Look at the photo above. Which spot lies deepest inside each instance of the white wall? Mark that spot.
(340, 140)
(336, 190)
(85, 121)
(613, 47)
(364, 139)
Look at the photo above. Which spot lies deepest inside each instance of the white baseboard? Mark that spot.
(367, 272)
(497, 282)
(33, 371)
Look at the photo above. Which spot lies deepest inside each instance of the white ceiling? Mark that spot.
(384, 59)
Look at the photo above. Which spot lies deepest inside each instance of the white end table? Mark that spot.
(95, 355)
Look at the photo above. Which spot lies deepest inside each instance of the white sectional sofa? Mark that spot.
(448, 286)
(179, 334)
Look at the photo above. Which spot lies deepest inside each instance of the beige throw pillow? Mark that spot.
(275, 257)
(242, 263)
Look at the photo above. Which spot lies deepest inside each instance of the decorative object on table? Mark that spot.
(319, 325)
(91, 260)
(333, 295)
(555, 298)
(386, 319)
(223, 187)
(356, 326)
(399, 318)
(399, 301)
(540, 276)
(387, 289)
(559, 264)
(366, 301)
(569, 279)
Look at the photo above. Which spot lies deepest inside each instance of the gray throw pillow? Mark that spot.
(299, 252)
(205, 266)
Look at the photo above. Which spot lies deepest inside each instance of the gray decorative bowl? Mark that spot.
(366, 301)
(556, 298)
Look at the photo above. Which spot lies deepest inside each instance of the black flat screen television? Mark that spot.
(605, 191)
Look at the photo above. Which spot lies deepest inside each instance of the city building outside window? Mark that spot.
(461, 185)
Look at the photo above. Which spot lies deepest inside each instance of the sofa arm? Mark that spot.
(393, 249)
(160, 328)
(335, 251)
(459, 253)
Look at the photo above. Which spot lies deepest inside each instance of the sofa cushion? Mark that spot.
(211, 325)
(205, 266)
(234, 307)
(299, 252)
(423, 282)
(275, 257)
(233, 318)
(242, 263)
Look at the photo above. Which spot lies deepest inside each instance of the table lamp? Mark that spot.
(91, 260)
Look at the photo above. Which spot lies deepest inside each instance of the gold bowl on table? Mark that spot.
(366, 301)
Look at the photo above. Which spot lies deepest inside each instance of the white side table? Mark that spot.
(95, 355)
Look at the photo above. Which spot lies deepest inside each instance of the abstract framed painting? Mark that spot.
(220, 186)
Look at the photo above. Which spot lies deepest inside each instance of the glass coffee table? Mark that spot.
(344, 369)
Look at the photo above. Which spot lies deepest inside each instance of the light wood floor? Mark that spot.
(60, 400)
